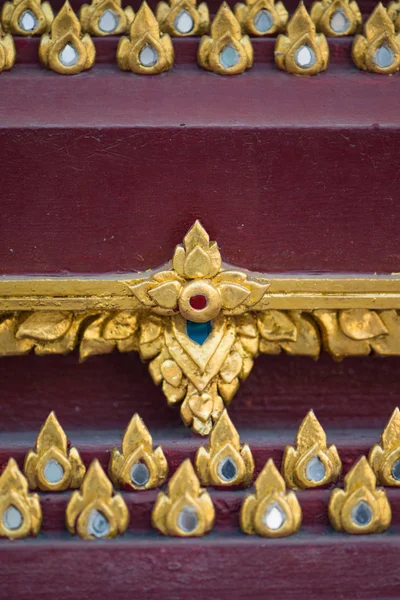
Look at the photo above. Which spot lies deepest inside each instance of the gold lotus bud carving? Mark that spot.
(226, 51)
(51, 467)
(147, 51)
(105, 17)
(310, 463)
(270, 512)
(7, 51)
(378, 49)
(183, 17)
(65, 50)
(262, 17)
(136, 465)
(301, 51)
(360, 508)
(384, 458)
(393, 10)
(336, 17)
(225, 462)
(26, 17)
(95, 512)
(187, 509)
(20, 512)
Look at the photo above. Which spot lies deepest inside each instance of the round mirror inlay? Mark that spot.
(108, 21)
(315, 470)
(148, 56)
(187, 519)
(140, 474)
(12, 518)
(68, 56)
(98, 525)
(227, 469)
(361, 514)
(274, 517)
(28, 21)
(305, 57)
(53, 472)
(184, 22)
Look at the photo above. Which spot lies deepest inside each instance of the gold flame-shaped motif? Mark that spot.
(393, 10)
(187, 509)
(360, 507)
(378, 50)
(301, 51)
(26, 17)
(94, 512)
(270, 512)
(311, 463)
(225, 461)
(183, 17)
(384, 458)
(20, 512)
(65, 50)
(226, 51)
(147, 51)
(105, 17)
(51, 467)
(136, 465)
(336, 17)
(262, 17)
(7, 51)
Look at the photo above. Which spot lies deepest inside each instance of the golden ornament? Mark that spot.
(26, 17)
(7, 51)
(105, 17)
(336, 17)
(262, 17)
(183, 17)
(384, 458)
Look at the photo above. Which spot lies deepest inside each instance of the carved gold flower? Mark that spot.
(336, 17)
(384, 458)
(262, 17)
(105, 17)
(7, 51)
(26, 17)
(183, 17)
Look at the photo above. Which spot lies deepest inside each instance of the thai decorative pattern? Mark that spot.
(311, 463)
(226, 51)
(336, 17)
(360, 507)
(262, 17)
(51, 467)
(393, 10)
(301, 50)
(7, 51)
(270, 512)
(378, 50)
(105, 17)
(183, 17)
(187, 509)
(20, 512)
(147, 51)
(26, 17)
(136, 465)
(65, 50)
(384, 458)
(225, 462)
(95, 512)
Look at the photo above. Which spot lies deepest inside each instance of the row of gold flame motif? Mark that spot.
(66, 45)
(186, 509)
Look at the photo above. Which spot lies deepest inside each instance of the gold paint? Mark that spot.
(378, 32)
(393, 10)
(224, 445)
(96, 497)
(184, 491)
(322, 12)
(66, 30)
(270, 494)
(7, 51)
(359, 486)
(14, 10)
(246, 13)
(168, 12)
(52, 448)
(14, 494)
(225, 31)
(383, 456)
(90, 15)
(301, 34)
(145, 35)
(310, 444)
(137, 447)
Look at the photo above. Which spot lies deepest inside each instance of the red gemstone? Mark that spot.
(198, 302)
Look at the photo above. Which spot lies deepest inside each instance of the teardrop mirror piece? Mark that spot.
(229, 56)
(339, 22)
(263, 20)
(187, 519)
(68, 56)
(184, 22)
(148, 56)
(98, 525)
(28, 21)
(361, 514)
(274, 517)
(383, 57)
(315, 470)
(108, 21)
(305, 57)
(12, 518)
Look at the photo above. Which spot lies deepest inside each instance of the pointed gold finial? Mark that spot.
(7, 51)
(227, 51)
(378, 50)
(225, 461)
(384, 458)
(136, 465)
(51, 467)
(360, 507)
(311, 463)
(262, 17)
(301, 51)
(187, 509)
(26, 17)
(147, 51)
(94, 512)
(336, 17)
(65, 50)
(105, 17)
(20, 512)
(393, 10)
(183, 17)
(270, 512)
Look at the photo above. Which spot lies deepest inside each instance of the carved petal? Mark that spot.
(45, 326)
(361, 324)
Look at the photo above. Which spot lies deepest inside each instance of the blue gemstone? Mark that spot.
(198, 332)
